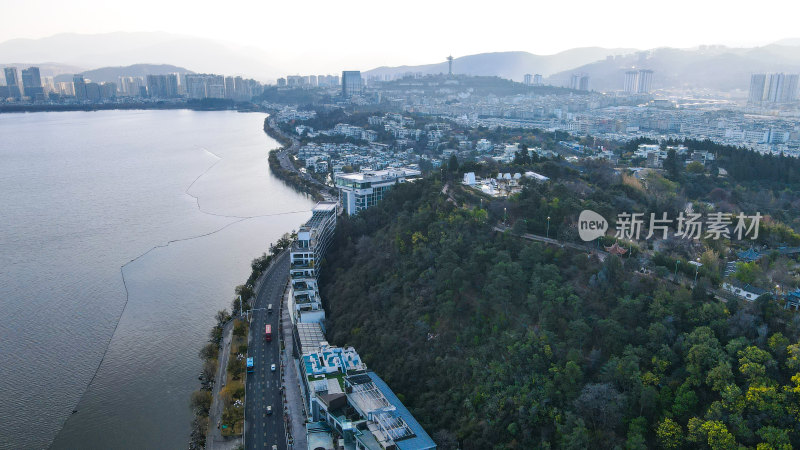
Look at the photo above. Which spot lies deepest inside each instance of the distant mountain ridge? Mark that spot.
(512, 65)
(125, 49)
(712, 67)
(105, 74)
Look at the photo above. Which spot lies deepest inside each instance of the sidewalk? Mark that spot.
(214, 440)
(291, 382)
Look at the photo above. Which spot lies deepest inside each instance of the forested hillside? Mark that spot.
(497, 342)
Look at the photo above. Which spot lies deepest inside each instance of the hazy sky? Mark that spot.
(369, 33)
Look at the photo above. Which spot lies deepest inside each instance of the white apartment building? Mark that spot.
(359, 191)
(313, 239)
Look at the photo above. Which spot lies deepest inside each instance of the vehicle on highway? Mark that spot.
(268, 333)
(269, 409)
(250, 365)
(272, 367)
(269, 308)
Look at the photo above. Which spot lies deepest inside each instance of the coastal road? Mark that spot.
(286, 163)
(263, 387)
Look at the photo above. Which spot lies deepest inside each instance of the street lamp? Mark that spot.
(548, 227)
(697, 266)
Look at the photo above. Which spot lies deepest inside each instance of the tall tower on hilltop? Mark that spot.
(450, 65)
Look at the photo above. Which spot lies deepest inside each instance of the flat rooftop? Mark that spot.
(325, 206)
(310, 335)
(319, 435)
(380, 175)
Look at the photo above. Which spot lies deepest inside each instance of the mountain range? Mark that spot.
(123, 54)
(511, 65)
(104, 74)
(91, 51)
(713, 67)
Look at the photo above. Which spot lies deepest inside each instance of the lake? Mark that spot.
(122, 233)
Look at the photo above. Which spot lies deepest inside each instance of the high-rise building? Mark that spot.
(790, 87)
(94, 92)
(306, 256)
(230, 88)
(583, 85)
(351, 83)
(162, 86)
(579, 81)
(216, 86)
(757, 84)
(645, 81)
(131, 86)
(79, 87)
(775, 89)
(66, 88)
(48, 84)
(12, 82)
(32, 83)
(203, 85)
(575, 81)
(538, 79)
(108, 90)
(631, 85)
(528, 79)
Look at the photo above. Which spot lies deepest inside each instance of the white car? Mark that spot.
(269, 409)
(272, 367)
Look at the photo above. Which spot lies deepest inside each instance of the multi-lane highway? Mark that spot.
(263, 387)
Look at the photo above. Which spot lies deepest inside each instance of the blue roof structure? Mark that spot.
(419, 442)
(749, 255)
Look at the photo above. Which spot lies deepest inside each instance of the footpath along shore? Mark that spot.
(289, 386)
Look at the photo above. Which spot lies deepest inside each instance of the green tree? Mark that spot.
(201, 401)
(669, 434)
(748, 272)
(719, 438)
(672, 165)
(695, 167)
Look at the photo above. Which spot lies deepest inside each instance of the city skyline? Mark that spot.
(441, 31)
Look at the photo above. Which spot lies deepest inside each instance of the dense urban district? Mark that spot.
(495, 264)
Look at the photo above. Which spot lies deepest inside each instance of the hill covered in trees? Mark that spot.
(493, 341)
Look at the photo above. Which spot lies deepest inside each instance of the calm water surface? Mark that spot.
(121, 233)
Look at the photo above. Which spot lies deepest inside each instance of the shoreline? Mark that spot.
(162, 105)
(279, 159)
(205, 401)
